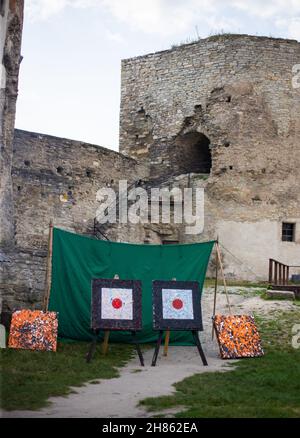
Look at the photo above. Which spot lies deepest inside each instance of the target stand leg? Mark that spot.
(92, 348)
(156, 351)
(105, 342)
(138, 349)
(167, 341)
(199, 346)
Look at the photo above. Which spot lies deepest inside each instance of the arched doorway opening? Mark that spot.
(192, 153)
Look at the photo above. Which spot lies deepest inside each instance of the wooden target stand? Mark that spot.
(219, 264)
(167, 341)
(159, 341)
(93, 345)
(105, 343)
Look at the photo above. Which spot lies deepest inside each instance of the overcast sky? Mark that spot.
(70, 74)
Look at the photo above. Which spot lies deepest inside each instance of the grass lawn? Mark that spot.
(28, 378)
(262, 387)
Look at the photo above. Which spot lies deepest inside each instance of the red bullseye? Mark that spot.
(117, 303)
(177, 304)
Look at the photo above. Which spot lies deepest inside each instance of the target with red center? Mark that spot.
(116, 304)
(177, 305)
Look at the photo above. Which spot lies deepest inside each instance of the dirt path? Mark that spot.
(119, 397)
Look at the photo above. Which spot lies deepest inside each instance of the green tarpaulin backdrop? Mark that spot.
(78, 259)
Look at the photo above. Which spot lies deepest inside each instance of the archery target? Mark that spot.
(177, 304)
(116, 303)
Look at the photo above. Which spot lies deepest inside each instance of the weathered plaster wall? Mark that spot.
(237, 92)
(261, 240)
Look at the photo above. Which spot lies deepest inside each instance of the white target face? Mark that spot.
(116, 303)
(177, 304)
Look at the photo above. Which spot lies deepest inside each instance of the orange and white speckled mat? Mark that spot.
(237, 336)
(33, 330)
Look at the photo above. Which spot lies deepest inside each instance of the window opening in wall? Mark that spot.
(288, 232)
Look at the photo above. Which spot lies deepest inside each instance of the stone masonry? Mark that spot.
(226, 102)
(56, 178)
(11, 21)
(219, 114)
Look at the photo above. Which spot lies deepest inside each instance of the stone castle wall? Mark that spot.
(236, 93)
(162, 93)
(56, 179)
(219, 114)
(11, 23)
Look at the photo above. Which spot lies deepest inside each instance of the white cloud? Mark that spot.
(222, 24)
(291, 27)
(164, 17)
(285, 14)
(171, 17)
(294, 28)
(43, 9)
(40, 10)
(116, 37)
(267, 8)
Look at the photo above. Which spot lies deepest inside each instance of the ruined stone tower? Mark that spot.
(224, 111)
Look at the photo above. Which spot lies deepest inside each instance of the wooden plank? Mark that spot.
(167, 340)
(105, 342)
(280, 273)
(223, 276)
(48, 269)
(270, 271)
(215, 292)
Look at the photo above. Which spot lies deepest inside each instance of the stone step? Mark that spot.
(281, 294)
